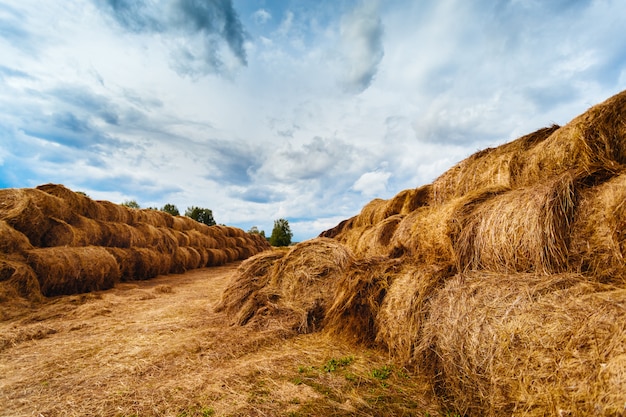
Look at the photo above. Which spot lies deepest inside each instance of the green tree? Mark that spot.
(255, 231)
(281, 233)
(171, 209)
(202, 215)
(131, 204)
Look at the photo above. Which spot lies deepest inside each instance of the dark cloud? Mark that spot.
(260, 194)
(232, 163)
(69, 130)
(86, 101)
(196, 30)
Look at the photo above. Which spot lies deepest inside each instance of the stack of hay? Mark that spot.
(55, 241)
(503, 281)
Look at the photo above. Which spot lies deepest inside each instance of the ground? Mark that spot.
(158, 348)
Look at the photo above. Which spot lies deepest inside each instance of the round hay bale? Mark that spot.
(59, 233)
(149, 263)
(216, 257)
(359, 294)
(527, 345)
(88, 232)
(338, 231)
(70, 270)
(17, 280)
(182, 238)
(371, 213)
(238, 299)
(231, 254)
(126, 262)
(198, 239)
(181, 260)
(523, 230)
(375, 241)
(20, 209)
(121, 235)
(80, 204)
(12, 241)
(428, 233)
(405, 309)
(112, 212)
(492, 167)
(598, 246)
(416, 198)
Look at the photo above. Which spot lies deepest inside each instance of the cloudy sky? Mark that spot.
(296, 109)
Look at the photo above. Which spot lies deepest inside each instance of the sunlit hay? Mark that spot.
(238, 300)
(405, 308)
(125, 259)
(305, 280)
(596, 138)
(166, 241)
(260, 242)
(523, 230)
(148, 263)
(358, 298)
(87, 232)
(492, 167)
(121, 235)
(232, 254)
(233, 231)
(216, 257)
(79, 203)
(198, 239)
(71, 270)
(112, 212)
(154, 238)
(195, 259)
(599, 233)
(204, 257)
(12, 241)
(185, 258)
(375, 240)
(428, 233)
(58, 233)
(338, 231)
(184, 223)
(181, 238)
(17, 280)
(527, 345)
(371, 213)
(27, 211)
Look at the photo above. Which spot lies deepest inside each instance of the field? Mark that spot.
(157, 347)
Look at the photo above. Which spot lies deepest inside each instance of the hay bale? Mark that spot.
(136, 264)
(12, 241)
(88, 232)
(184, 259)
(17, 280)
(111, 212)
(238, 299)
(73, 270)
(79, 204)
(523, 230)
(527, 345)
(28, 211)
(121, 235)
(359, 294)
(598, 241)
(58, 233)
(338, 231)
(405, 309)
(375, 240)
(428, 233)
(491, 167)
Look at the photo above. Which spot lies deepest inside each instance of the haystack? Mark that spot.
(491, 167)
(523, 230)
(70, 270)
(599, 233)
(405, 308)
(17, 280)
(78, 203)
(297, 291)
(527, 345)
(12, 241)
(428, 234)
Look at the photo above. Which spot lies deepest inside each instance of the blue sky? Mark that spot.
(300, 109)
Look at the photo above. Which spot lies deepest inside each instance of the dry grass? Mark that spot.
(137, 350)
(527, 345)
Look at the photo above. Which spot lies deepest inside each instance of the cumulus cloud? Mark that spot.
(262, 16)
(361, 46)
(372, 183)
(204, 36)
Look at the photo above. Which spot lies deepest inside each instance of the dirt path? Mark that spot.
(157, 348)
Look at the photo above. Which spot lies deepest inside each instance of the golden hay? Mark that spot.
(375, 240)
(252, 275)
(17, 280)
(121, 235)
(58, 233)
(428, 233)
(73, 270)
(87, 232)
(405, 308)
(524, 230)
(12, 241)
(140, 263)
(216, 257)
(527, 345)
(599, 233)
(491, 167)
(111, 212)
(78, 203)
(359, 294)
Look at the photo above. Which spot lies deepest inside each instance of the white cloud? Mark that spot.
(373, 183)
(262, 16)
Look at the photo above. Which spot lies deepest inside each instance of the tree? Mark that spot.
(255, 231)
(171, 209)
(131, 204)
(202, 215)
(281, 233)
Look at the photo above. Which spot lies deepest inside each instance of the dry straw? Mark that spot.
(78, 203)
(599, 233)
(12, 241)
(17, 281)
(70, 270)
(523, 230)
(527, 345)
